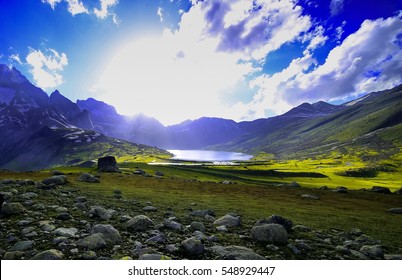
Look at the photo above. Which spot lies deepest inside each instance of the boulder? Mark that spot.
(108, 164)
(228, 220)
(88, 178)
(139, 223)
(270, 233)
(110, 234)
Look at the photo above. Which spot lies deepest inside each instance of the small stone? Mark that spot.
(172, 225)
(171, 248)
(341, 190)
(12, 208)
(22, 246)
(67, 232)
(213, 238)
(88, 178)
(56, 180)
(101, 213)
(343, 250)
(358, 255)
(236, 253)
(272, 247)
(197, 226)
(378, 189)
(310, 196)
(395, 210)
(51, 254)
(276, 219)
(29, 195)
(150, 208)
(139, 223)
(89, 255)
(27, 230)
(222, 228)
(92, 242)
(159, 239)
(192, 246)
(228, 221)
(202, 213)
(270, 233)
(64, 217)
(110, 234)
(81, 199)
(373, 252)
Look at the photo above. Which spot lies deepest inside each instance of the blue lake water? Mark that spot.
(208, 155)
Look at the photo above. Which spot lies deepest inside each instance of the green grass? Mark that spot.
(253, 199)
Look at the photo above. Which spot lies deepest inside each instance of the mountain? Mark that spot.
(371, 122)
(39, 131)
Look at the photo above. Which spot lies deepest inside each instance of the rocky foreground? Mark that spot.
(51, 219)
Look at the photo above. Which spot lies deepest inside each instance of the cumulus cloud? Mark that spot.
(46, 67)
(217, 46)
(353, 67)
(104, 11)
(76, 7)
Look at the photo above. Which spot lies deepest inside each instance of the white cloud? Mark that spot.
(356, 66)
(47, 67)
(336, 7)
(52, 3)
(160, 13)
(16, 58)
(104, 11)
(183, 73)
(76, 7)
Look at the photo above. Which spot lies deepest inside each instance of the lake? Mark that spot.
(208, 155)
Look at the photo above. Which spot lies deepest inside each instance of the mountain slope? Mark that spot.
(364, 122)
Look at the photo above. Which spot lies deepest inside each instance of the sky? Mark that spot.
(183, 59)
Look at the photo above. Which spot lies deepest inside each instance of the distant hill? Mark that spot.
(35, 127)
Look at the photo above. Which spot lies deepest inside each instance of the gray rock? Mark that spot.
(222, 228)
(197, 226)
(159, 238)
(110, 234)
(294, 184)
(67, 232)
(150, 208)
(56, 180)
(6, 196)
(139, 223)
(341, 190)
(108, 164)
(358, 255)
(153, 257)
(51, 254)
(59, 239)
(29, 195)
(27, 230)
(378, 189)
(301, 228)
(89, 255)
(171, 248)
(192, 246)
(92, 242)
(88, 178)
(170, 224)
(202, 213)
(310, 196)
(64, 217)
(17, 255)
(343, 250)
(236, 253)
(23, 223)
(392, 257)
(372, 251)
(200, 235)
(22, 246)
(270, 233)
(12, 208)
(101, 213)
(294, 249)
(395, 210)
(276, 219)
(228, 221)
(81, 199)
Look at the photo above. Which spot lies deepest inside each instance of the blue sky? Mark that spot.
(178, 60)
